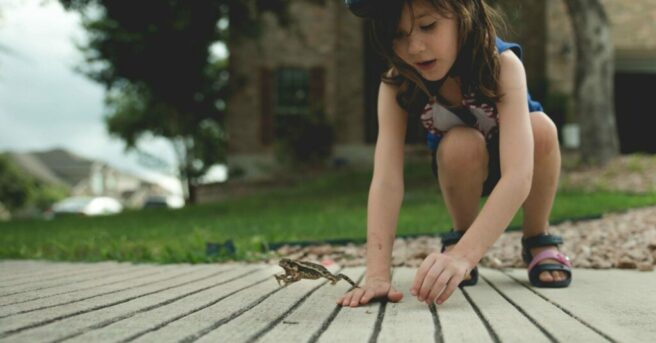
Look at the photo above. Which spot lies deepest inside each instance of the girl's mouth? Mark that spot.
(426, 64)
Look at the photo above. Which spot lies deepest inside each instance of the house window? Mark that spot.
(292, 92)
(288, 98)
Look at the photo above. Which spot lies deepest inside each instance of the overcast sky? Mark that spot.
(44, 103)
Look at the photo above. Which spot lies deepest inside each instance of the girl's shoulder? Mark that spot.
(510, 69)
(392, 73)
(503, 46)
(391, 77)
(390, 82)
(510, 57)
(388, 91)
(512, 76)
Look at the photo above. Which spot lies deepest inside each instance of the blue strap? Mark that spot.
(503, 46)
(533, 106)
(432, 140)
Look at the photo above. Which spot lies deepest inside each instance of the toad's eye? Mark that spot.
(428, 27)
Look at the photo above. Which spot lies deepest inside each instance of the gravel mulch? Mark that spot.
(621, 240)
(635, 173)
(625, 240)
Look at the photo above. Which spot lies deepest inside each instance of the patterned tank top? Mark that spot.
(437, 119)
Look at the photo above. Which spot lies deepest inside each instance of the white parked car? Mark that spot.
(88, 206)
(164, 201)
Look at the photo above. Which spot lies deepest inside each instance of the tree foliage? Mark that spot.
(19, 191)
(14, 185)
(154, 58)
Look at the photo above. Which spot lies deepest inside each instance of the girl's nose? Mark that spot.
(415, 46)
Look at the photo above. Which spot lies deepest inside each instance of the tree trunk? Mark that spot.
(191, 192)
(188, 184)
(595, 106)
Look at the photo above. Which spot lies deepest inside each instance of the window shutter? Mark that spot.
(266, 106)
(317, 90)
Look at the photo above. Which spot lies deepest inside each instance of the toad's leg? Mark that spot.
(344, 277)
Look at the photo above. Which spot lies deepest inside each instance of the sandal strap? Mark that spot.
(534, 275)
(550, 254)
(450, 238)
(541, 241)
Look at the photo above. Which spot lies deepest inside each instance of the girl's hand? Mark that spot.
(374, 287)
(438, 276)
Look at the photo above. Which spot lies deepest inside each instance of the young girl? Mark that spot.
(449, 70)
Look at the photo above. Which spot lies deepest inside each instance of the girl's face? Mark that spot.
(427, 40)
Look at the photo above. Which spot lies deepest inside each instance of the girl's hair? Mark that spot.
(477, 62)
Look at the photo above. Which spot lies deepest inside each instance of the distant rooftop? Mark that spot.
(56, 166)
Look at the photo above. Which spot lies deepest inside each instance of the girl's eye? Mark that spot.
(428, 27)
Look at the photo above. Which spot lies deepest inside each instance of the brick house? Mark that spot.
(323, 60)
(633, 26)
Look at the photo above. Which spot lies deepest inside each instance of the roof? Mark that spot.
(69, 167)
(63, 168)
(56, 166)
(35, 167)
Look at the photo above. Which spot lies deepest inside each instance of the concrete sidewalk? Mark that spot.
(121, 302)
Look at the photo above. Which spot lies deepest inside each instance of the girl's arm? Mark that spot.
(516, 154)
(386, 190)
(385, 196)
(439, 274)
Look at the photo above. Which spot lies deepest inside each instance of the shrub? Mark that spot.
(303, 139)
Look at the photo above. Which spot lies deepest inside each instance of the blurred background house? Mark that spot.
(633, 27)
(307, 88)
(313, 67)
(83, 177)
(323, 64)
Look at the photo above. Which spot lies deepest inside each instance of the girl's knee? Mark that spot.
(462, 147)
(545, 134)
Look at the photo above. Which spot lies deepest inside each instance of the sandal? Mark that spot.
(534, 268)
(450, 238)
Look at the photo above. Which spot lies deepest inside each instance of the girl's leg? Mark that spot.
(546, 171)
(462, 161)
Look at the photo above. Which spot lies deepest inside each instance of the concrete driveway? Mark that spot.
(122, 302)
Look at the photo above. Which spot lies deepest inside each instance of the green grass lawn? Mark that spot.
(324, 208)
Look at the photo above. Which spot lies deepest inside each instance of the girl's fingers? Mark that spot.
(347, 298)
(421, 274)
(394, 296)
(451, 286)
(340, 300)
(429, 280)
(357, 294)
(367, 296)
(439, 286)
